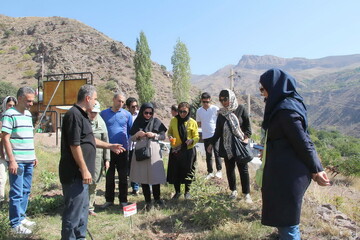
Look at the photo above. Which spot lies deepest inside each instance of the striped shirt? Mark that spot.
(20, 128)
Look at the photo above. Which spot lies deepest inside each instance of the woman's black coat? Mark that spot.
(245, 126)
(290, 160)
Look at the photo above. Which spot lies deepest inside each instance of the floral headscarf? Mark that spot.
(232, 125)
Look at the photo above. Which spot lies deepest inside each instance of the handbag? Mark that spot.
(260, 172)
(241, 150)
(142, 147)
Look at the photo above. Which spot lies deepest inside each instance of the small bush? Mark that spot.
(44, 204)
(4, 225)
(14, 48)
(29, 73)
(26, 57)
(48, 180)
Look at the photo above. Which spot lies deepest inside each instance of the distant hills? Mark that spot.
(330, 86)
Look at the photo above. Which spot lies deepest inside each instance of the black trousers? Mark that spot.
(209, 161)
(147, 192)
(243, 172)
(177, 187)
(120, 163)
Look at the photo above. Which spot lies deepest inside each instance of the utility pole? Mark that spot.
(248, 103)
(231, 77)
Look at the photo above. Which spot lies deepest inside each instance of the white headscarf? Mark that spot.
(3, 105)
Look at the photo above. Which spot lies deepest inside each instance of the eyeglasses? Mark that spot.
(181, 112)
(225, 99)
(148, 113)
(135, 106)
(205, 101)
(262, 89)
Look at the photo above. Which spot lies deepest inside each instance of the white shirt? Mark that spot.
(207, 118)
(132, 144)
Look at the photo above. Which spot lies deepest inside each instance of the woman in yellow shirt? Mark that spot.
(183, 134)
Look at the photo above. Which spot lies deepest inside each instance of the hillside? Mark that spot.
(71, 46)
(329, 85)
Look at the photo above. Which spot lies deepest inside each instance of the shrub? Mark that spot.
(44, 204)
(26, 57)
(209, 210)
(14, 48)
(29, 73)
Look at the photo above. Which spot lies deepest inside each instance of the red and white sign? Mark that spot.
(130, 210)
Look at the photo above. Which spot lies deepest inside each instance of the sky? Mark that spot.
(216, 32)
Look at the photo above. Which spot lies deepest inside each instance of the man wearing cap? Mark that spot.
(102, 158)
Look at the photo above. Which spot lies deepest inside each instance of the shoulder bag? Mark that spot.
(142, 147)
(241, 150)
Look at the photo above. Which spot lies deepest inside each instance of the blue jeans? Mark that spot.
(20, 186)
(76, 210)
(289, 233)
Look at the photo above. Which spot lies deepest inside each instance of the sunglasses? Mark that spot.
(148, 113)
(181, 112)
(225, 99)
(205, 101)
(135, 106)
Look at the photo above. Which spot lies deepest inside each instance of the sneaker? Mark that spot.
(210, 175)
(233, 194)
(176, 195)
(218, 174)
(27, 223)
(106, 205)
(248, 198)
(124, 204)
(92, 213)
(187, 195)
(20, 229)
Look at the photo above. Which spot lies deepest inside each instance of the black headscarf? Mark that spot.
(142, 123)
(181, 126)
(282, 94)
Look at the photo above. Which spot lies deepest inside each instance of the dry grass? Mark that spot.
(177, 219)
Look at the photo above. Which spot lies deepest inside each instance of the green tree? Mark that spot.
(143, 68)
(7, 89)
(181, 72)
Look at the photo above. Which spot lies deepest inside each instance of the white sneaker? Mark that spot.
(20, 229)
(233, 194)
(218, 174)
(248, 198)
(27, 223)
(210, 175)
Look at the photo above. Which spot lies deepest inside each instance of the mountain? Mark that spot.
(329, 85)
(69, 46)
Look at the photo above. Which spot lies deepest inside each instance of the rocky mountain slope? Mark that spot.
(330, 86)
(68, 46)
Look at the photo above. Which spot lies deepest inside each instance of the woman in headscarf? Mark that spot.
(150, 171)
(8, 102)
(183, 133)
(233, 119)
(291, 159)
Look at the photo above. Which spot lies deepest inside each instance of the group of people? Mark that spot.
(93, 140)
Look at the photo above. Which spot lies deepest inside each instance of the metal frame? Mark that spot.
(59, 77)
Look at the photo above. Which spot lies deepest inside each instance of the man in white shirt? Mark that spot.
(132, 106)
(206, 118)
